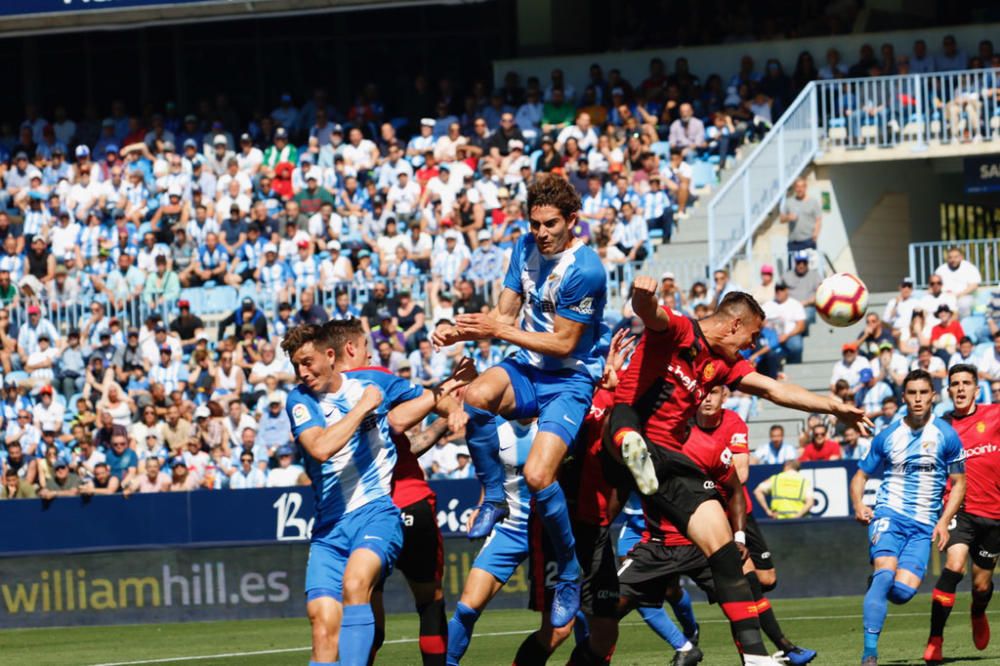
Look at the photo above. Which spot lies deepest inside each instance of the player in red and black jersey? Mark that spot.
(421, 559)
(675, 364)
(975, 530)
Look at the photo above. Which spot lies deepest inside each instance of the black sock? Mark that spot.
(942, 600)
(582, 655)
(980, 600)
(765, 614)
(736, 599)
(433, 633)
(531, 652)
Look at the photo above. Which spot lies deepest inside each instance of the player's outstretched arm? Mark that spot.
(796, 397)
(439, 400)
(736, 509)
(862, 513)
(428, 437)
(954, 503)
(645, 305)
(321, 443)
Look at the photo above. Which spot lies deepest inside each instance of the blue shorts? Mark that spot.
(505, 549)
(375, 526)
(630, 535)
(560, 399)
(892, 534)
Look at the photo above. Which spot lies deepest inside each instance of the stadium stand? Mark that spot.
(151, 263)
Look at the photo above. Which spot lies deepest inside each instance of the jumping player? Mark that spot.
(507, 546)
(677, 361)
(421, 559)
(976, 529)
(919, 455)
(562, 284)
(343, 425)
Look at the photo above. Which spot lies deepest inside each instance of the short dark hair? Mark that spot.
(341, 332)
(918, 375)
(551, 190)
(959, 368)
(777, 427)
(737, 303)
(889, 399)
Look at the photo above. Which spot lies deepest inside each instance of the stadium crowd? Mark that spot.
(113, 381)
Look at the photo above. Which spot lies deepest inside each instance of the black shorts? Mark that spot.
(759, 552)
(651, 568)
(422, 558)
(599, 580)
(683, 486)
(981, 535)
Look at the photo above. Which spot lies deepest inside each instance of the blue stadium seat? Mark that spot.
(702, 174)
(193, 296)
(16, 376)
(975, 327)
(535, 156)
(221, 300)
(661, 148)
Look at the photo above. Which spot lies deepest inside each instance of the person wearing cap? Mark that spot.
(802, 283)
(871, 393)
(181, 478)
(935, 297)
(764, 291)
(849, 367)
(946, 333)
(288, 473)
(804, 217)
(423, 141)
(487, 263)
(670, 296)
(31, 330)
(246, 313)
(312, 195)
(62, 483)
(899, 309)
(250, 158)
(217, 153)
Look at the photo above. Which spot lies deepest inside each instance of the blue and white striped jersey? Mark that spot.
(654, 204)
(515, 443)
(571, 284)
(34, 220)
(170, 375)
(361, 472)
(273, 276)
(916, 465)
(89, 241)
(305, 271)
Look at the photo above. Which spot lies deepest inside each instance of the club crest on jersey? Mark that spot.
(708, 372)
(928, 446)
(300, 414)
(981, 427)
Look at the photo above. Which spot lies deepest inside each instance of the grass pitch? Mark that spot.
(832, 626)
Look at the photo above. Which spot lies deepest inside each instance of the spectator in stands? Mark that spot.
(920, 61)
(871, 393)
(687, 132)
(802, 283)
(848, 368)
(820, 447)
(776, 451)
(951, 58)
(960, 278)
(890, 366)
(247, 313)
(64, 483)
(965, 353)
(929, 362)
(935, 297)
(154, 480)
(854, 446)
(723, 286)
(14, 487)
(871, 338)
(917, 335)
(103, 482)
(946, 333)
(287, 473)
(181, 478)
(764, 291)
(899, 309)
(804, 217)
(247, 474)
(788, 318)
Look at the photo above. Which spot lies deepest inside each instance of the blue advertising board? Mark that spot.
(982, 174)
(27, 7)
(271, 515)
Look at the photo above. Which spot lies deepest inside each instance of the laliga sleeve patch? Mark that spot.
(300, 415)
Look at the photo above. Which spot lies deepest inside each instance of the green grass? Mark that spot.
(831, 626)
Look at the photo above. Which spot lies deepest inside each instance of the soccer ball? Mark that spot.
(841, 299)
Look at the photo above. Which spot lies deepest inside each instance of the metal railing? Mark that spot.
(984, 254)
(913, 109)
(759, 183)
(851, 114)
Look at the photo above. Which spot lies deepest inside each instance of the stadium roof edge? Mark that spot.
(148, 13)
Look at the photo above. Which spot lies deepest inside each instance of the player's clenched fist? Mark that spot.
(370, 398)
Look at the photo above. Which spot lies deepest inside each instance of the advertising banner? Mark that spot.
(271, 515)
(982, 174)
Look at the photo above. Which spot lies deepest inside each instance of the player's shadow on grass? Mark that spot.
(946, 660)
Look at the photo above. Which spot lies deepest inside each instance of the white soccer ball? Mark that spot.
(841, 299)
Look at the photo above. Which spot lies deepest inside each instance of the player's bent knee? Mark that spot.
(537, 477)
(900, 593)
(768, 579)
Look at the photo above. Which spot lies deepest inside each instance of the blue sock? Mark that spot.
(551, 504)
(484, 448)
(357, 632)
(581, 629)
(684, 612)
(900, 593)
(875, 609)
(658, 621)
(460, 632)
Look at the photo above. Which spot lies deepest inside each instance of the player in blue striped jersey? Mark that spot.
(561, 285)
(343, 426)
(507, 545)
(918, 456)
